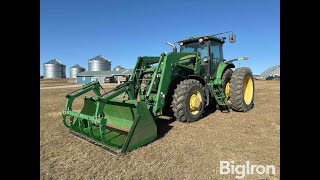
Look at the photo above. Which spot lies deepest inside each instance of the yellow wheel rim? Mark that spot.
(248, 90)
(227, 91)
(195, 102)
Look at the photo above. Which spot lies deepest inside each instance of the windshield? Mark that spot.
(202, 48)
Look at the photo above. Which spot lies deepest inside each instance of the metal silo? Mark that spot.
(54, 69)
(99, 63)
(118, 68)
(74, 70)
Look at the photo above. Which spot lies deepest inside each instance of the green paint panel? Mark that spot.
(120, 114)
(89, 107)
(145, 129)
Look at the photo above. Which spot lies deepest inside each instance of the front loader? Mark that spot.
(183, 83)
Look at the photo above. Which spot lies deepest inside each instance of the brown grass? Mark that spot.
(53, 82)
(183, 151)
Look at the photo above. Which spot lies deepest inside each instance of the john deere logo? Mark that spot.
(188, 56)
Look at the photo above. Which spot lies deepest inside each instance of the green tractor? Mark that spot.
(184, 83)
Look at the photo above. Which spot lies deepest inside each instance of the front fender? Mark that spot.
(222, 67)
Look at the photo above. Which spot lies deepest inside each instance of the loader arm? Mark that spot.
(169, 64)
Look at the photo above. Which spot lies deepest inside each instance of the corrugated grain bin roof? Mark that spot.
(77, 66)
(119, 67)
(54, 61)
(99, 58)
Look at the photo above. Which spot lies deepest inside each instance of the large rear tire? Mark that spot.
(188, 101)
(242, 90)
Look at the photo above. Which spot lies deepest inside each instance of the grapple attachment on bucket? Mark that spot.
(119, 125)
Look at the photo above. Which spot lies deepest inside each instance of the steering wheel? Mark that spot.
(215, 61)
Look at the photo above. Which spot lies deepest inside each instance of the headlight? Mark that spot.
(180, 43)
(200, 40)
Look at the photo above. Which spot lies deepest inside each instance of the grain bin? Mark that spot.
(118, 68)
(54, 69)
(74, 70)
(99, 63)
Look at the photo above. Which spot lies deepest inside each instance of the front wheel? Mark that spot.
(242, 90)
(226, 78)
(188, 101)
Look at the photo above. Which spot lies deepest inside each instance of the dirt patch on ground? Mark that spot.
(182, 151)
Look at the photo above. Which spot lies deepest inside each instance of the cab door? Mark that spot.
(216, 56)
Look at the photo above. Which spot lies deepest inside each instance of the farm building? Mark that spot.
(274, 70)
(101, 76)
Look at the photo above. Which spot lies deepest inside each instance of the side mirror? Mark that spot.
(232, 38)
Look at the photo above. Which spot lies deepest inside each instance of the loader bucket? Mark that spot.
(119, 125)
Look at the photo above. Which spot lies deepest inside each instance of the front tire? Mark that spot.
(188, 101)
(226, 78)
(242, 90)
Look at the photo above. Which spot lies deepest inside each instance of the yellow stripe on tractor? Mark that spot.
(243, 58)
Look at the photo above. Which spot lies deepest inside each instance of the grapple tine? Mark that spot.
(103, 130)
(82, 125)
(75, 125)
(64, 117)
(92, 135)
(97, 144)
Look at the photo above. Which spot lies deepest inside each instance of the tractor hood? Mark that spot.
(187, 59)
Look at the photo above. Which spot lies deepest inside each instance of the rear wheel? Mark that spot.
(242, 90)
(188, 101)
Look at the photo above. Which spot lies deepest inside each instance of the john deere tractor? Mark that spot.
(184, 83)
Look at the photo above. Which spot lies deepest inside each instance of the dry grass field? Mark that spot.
(53, 82)
(182, 151)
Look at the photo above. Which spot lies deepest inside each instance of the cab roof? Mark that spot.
(209, 37)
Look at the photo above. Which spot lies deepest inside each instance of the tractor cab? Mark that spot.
(210, 49)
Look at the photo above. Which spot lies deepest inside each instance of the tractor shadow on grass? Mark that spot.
(163, 124)
(209, 110)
